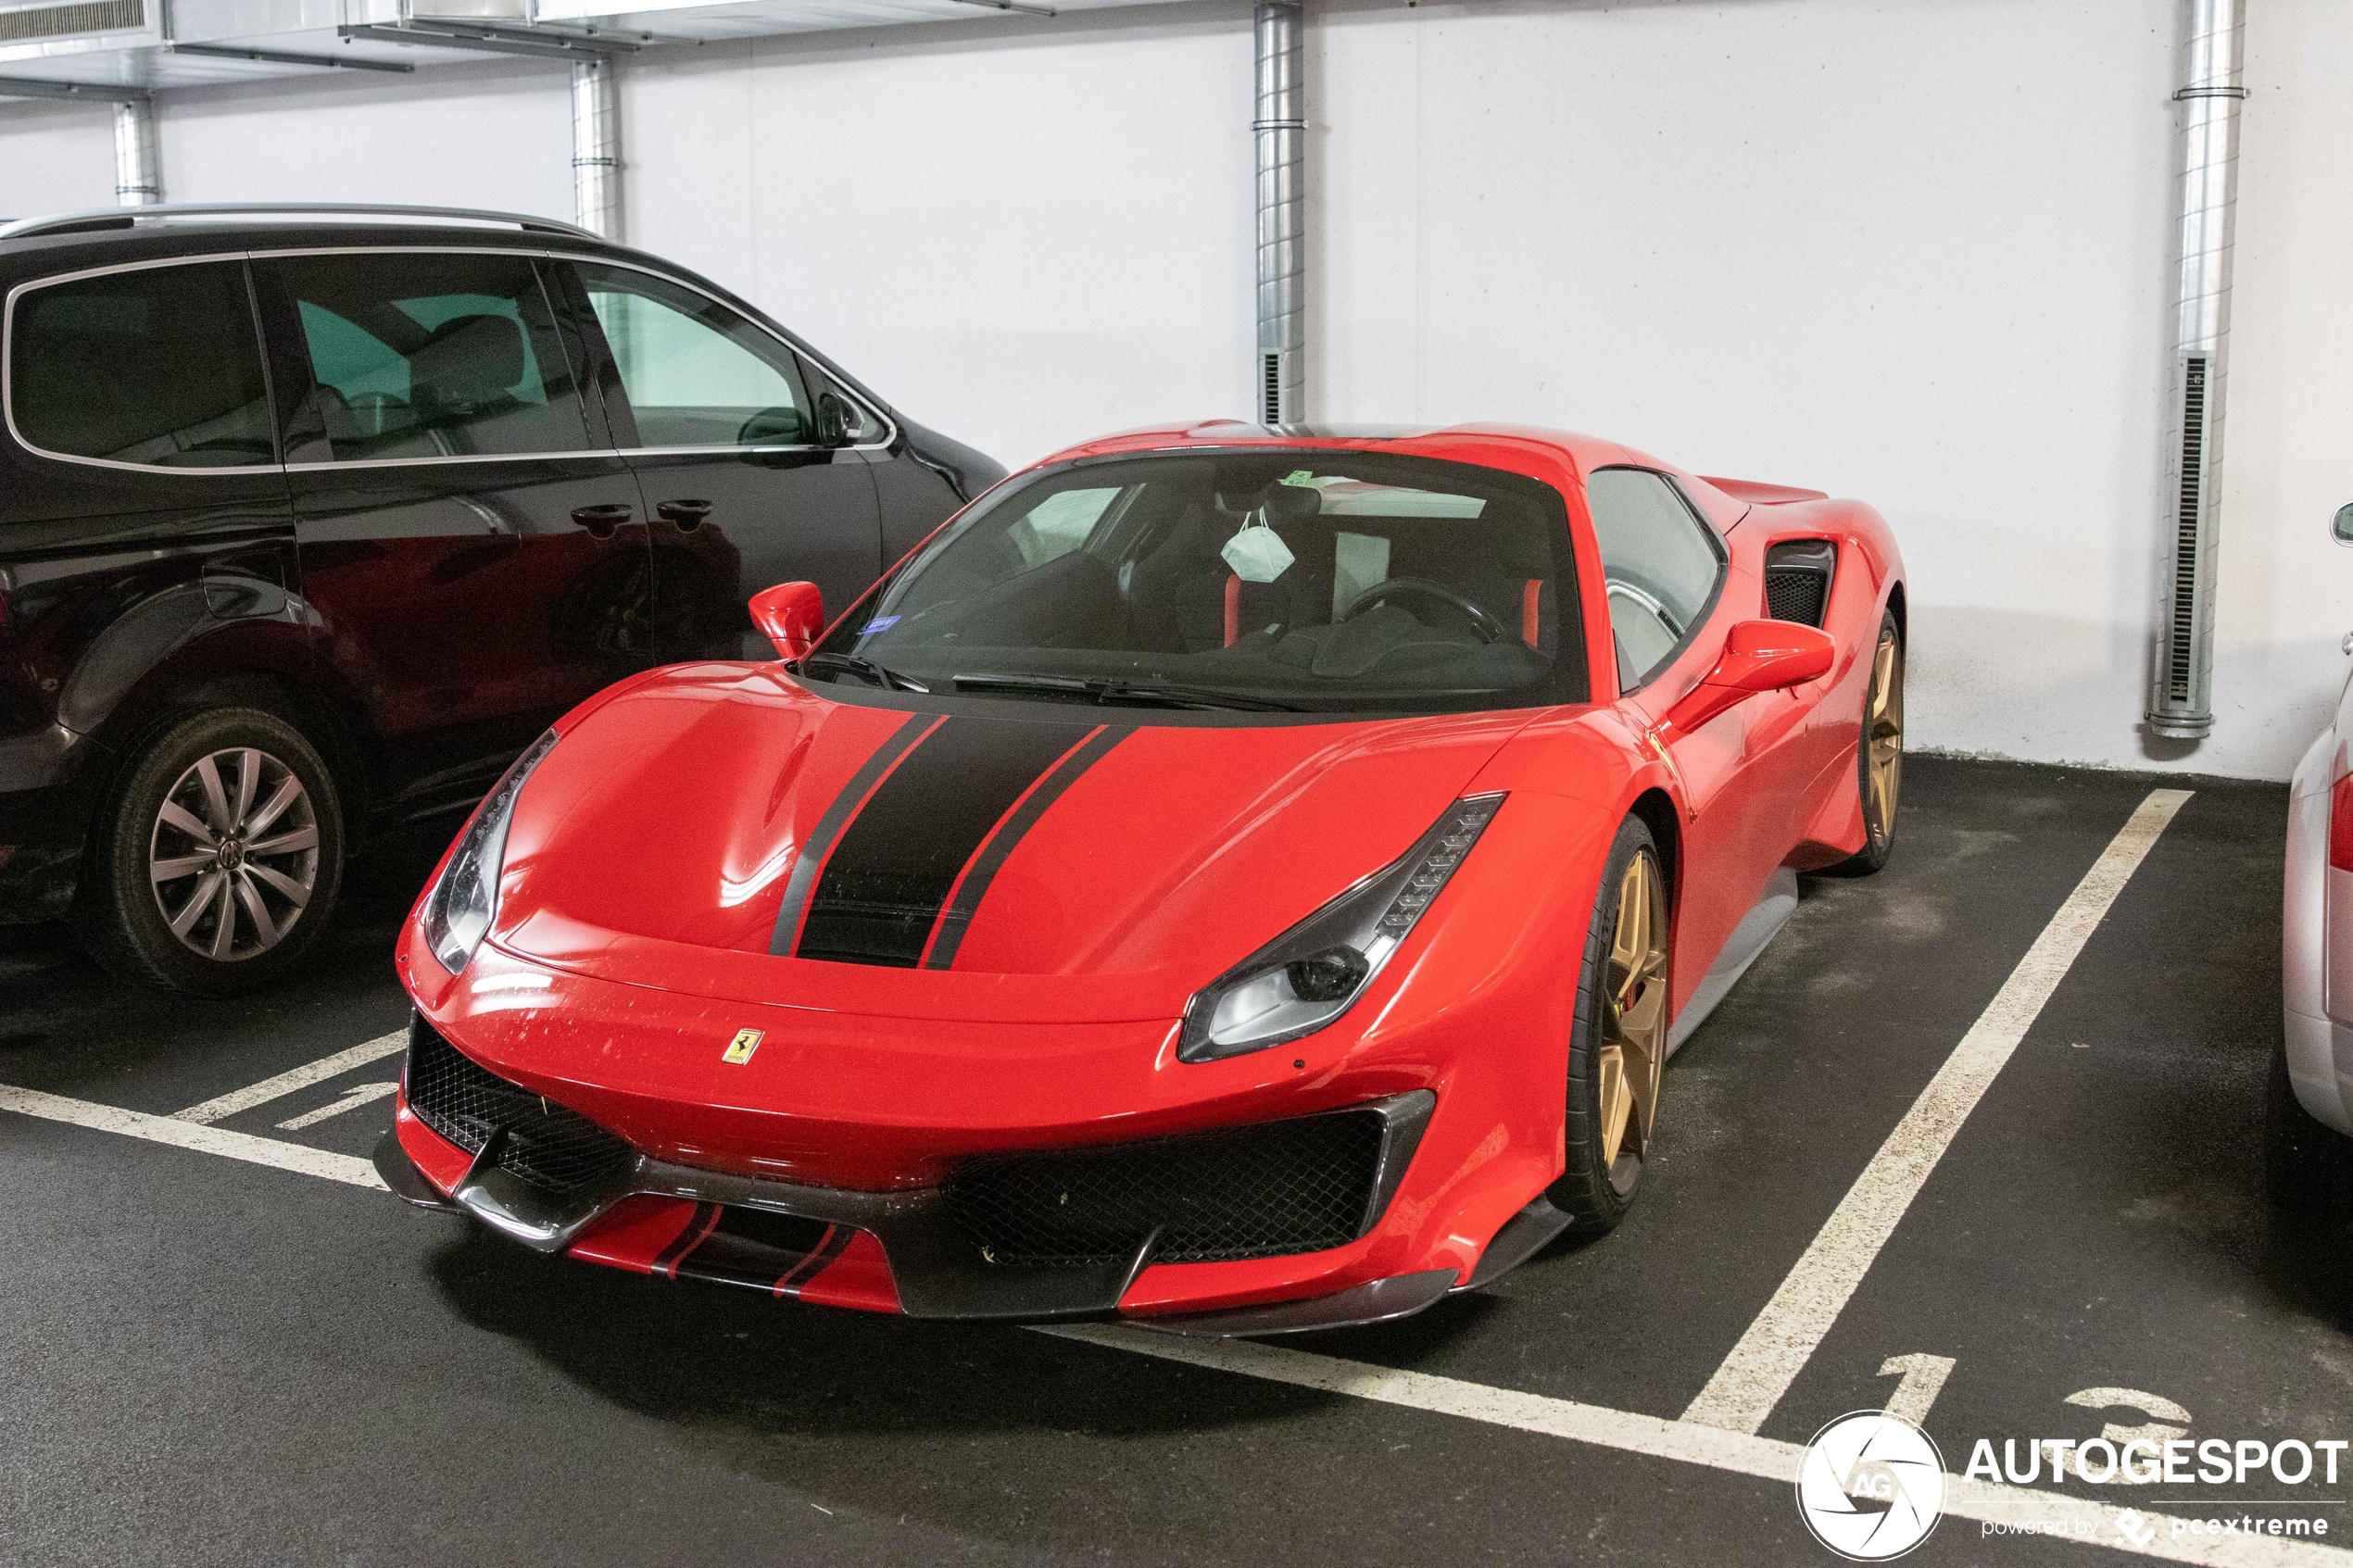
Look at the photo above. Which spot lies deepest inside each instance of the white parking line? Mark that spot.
(221, 1108)
(1785, 1335)
(191, 1134)
(2085, 1521)
(353, 1099)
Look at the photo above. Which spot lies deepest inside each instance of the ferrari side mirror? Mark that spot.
(791, 614)
(1759, 656)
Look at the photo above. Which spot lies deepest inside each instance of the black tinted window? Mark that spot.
(434, 356)
(161, 366)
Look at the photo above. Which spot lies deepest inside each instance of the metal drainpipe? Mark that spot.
(596, 148)
(1281, 131)
(137, 180)
(2181, 703)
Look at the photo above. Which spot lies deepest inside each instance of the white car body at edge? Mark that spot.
(2317, 967)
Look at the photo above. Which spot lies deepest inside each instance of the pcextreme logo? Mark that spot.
(1872, 1487)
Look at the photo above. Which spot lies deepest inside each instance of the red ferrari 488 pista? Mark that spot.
(1237, 880)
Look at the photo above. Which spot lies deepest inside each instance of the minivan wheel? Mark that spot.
(217, 862)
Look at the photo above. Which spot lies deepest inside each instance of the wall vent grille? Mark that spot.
(2181, 634)
(1271, 391)
(63, 21)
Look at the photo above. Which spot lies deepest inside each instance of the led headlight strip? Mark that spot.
(465, 899)
(1316, 971)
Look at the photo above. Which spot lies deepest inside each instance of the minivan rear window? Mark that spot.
(425, 355)
(158, 366)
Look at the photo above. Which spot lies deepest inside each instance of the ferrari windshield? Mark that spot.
(1276, 579)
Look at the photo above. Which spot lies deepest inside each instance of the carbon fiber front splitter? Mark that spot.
(937, 1271)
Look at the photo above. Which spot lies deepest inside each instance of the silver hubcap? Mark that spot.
(234, 854)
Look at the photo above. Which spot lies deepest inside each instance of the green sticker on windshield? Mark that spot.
(1299, 476)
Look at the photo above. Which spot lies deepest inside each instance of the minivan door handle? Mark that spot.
(687, 515)
(601, 521)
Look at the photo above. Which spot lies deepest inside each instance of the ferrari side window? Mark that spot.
(1662, 567)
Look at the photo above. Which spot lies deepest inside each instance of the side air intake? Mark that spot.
(1798, 580)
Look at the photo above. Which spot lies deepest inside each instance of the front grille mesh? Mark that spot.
(546, 1145)
(1300, 1186)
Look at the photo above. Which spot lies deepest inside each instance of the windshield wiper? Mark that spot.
(888, 679)
(1114, 690)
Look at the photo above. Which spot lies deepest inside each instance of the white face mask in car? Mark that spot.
(1257, 553)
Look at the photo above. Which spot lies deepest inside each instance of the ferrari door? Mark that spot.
(1673, 594)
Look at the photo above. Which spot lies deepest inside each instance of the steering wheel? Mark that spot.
(1489, 630)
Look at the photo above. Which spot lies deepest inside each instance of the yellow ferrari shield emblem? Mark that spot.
(739, 1049)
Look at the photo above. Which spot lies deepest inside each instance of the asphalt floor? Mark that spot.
(206, 1361)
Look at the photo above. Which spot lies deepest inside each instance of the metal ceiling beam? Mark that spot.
(1012, 6)
(31, 87)
(280, 57)
(543, 42)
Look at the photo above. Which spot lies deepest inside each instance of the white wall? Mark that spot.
(2285, 588)
(55, 157)
(1912, 250)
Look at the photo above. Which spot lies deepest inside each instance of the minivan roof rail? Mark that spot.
(104, 218)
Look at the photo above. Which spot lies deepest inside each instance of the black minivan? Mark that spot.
(311, 520)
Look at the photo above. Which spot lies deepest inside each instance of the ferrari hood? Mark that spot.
(722, 830)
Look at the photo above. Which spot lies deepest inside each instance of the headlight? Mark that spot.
(461, 904)
(1314, 971)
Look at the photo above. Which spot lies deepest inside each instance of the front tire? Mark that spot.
(217, 857)
(1617, 1043)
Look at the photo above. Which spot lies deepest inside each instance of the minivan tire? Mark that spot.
(217, 856)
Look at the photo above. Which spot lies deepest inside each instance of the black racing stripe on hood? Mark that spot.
(886, 883)
(821, 839)
(957, 918)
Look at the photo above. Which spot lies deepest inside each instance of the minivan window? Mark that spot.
(451, 355)
(159, 365)
(1660, 565)
(696, 373)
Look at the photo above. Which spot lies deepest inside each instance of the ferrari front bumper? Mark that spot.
(917, 1251)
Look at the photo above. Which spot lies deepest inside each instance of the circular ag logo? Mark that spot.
(1872, 1487)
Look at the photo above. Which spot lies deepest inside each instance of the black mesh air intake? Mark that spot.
(1798, 580)
(1300, 1186)
(545, 1144)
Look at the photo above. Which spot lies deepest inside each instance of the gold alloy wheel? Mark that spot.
(1885, 737)
(1634, 1021)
